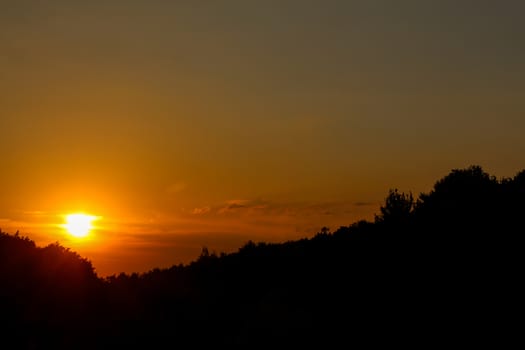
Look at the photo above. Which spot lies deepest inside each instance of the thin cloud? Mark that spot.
(176, 187)
(234, 204)
(364, 204)
(201, 211)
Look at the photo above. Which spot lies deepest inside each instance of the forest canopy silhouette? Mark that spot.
(442, 266)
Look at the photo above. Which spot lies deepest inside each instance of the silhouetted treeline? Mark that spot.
(443, 268)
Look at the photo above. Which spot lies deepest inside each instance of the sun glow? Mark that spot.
(79, 225)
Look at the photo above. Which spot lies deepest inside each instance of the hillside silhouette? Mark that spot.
(439, 269)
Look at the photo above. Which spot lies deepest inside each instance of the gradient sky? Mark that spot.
(186, 124)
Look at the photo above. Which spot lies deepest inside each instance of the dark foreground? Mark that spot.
(444, 269)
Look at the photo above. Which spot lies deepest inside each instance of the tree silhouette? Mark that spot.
(397, 209)
(437, 266)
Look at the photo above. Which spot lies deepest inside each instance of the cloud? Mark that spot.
(5, 221)
(176, 187)
(201, 211)
(36, 213)
(239, 202)
(364, 204)
(263, 208)
(242, 204)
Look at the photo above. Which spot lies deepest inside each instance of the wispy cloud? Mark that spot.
(365, 204)
(242, 204)
(176, 187)
(201, 210)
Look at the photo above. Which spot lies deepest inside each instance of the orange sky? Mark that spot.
(186, 125)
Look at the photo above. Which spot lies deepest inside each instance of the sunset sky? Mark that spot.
(183, 124)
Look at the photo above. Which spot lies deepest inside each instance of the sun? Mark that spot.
(79, 225)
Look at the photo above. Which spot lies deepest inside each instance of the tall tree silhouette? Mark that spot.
(397, 208)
